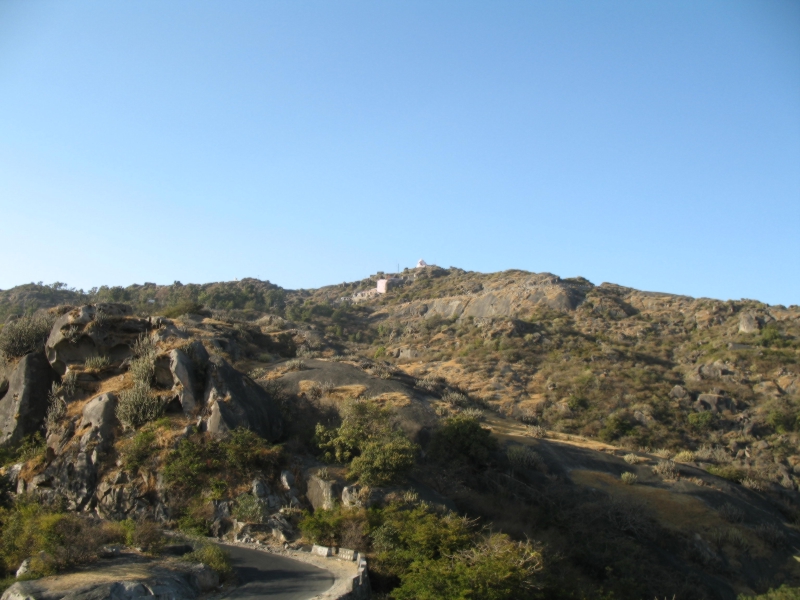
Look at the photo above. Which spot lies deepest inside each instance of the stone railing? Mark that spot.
(360, 588)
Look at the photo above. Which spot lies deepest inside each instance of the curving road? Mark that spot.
(262, 574)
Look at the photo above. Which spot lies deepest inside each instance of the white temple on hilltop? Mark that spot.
(421, 264)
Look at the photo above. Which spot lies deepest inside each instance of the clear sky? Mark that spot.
(650, 144)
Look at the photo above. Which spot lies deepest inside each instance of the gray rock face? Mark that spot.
(80, 334)
(260, 488)
(678, 392)
(183, 379)
(99, 413)
(748, 323)
(351, 496)
(24, 405)
(237, 401)
(323, 494)
(287, 480)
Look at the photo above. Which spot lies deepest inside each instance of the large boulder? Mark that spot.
(24, 405)
(236, 400)
(100, 414)
(93, 330)
(322, 493)
(748, 323)
(184, 376)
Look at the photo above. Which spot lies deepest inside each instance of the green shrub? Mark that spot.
(182, 308)
(215, 557)
(782, 421)
(771, 336)
(67, 539)
(97, 363)
(142, 370)
(56, 406)
(616, 426)
(146, 535)
(141, 448)
(198, 463)
(25, 334)
(197, 517)
(322, 527)
(137, 406)
(577, 403)
(782, 593)
(629, 478)
(522, 457)
(462, 439)
(250, 509)
(379, 452)
(701, 421)
(382, 462)
(727, 472)
(245, 451)
(497, 568)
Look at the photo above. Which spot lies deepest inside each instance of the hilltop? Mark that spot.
(648, 442)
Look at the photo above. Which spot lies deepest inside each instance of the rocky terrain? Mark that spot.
(647, 443)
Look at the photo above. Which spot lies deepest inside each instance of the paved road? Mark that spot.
(262, 574)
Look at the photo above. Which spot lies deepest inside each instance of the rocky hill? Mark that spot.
(647, 442)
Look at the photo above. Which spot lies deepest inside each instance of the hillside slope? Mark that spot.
(648, 441)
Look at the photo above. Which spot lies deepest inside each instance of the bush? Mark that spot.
(384, 461)
(782, 593)
(295, 365)
(522, 457)
(25, 334)
(632, 459)
(615, 427)
(497, 568)
(462, 439)
(66, 539)
(250, 509)
(182, 308)
(378, 452)
(454, 398)
(727, 472)
(146, 535)
(782, 421)
(576, 403)
(137, 406)
(97, 363)
(142, 370)
(323, 527)
(215, 557)
(56, 406)
(701, 421)
(197, 463)
(141, 448)
(666, 469)
(629, 478)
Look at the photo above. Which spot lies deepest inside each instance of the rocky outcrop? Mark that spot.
(322, 494)
(99, 414)
(187, 582)
(748, 323)
(185, 376)
(24, 405)
(235, 400)
(93, 330)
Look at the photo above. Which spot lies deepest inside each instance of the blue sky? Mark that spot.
(650, 144)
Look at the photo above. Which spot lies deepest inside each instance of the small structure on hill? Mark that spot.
(421, 264)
